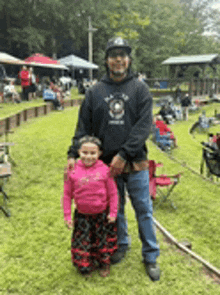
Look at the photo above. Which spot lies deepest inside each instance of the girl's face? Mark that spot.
(89, 153)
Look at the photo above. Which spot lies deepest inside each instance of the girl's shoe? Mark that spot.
(104, 270)
(85, 273)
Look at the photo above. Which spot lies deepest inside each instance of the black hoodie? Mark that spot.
(120, 115)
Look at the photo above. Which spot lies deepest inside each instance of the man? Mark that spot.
(118, 110)
(185, 103)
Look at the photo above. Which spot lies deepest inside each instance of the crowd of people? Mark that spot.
(52, 90)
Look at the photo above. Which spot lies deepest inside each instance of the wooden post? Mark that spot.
(190, 88)
(25, 115)
(36, 111)
(18, 119)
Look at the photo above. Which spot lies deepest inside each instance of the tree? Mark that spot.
(155, 30)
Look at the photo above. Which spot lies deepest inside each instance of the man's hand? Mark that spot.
(117, 165)
(111, 219)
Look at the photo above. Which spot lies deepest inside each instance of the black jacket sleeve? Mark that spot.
(141, 129)
(84, 127)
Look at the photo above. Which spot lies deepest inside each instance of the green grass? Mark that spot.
(197, 200)
(9, 109)
(35, 245)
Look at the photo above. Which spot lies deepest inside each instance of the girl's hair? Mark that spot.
(91, 139)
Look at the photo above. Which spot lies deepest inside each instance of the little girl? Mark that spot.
(94, 192)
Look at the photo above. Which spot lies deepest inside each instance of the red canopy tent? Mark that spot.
(41, 60)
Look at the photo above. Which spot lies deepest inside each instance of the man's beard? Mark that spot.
(118, 74)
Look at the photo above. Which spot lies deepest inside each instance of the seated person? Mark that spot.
(81, 87)
(157, 85)
(159, 123)
(178, 112)
(171, 110)
(165, 114)
(50, 96)
(203, 120)
(56, 87)
(10, 92)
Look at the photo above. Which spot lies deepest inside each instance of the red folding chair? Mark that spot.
(158, 183)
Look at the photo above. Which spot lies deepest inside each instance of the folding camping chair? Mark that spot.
(157, 183)
(5, 146)
(5, 173)
(5, 169)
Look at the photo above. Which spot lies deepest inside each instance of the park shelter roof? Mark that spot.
(77, 62)
(6, 58)
(41, 60)
(192, 60)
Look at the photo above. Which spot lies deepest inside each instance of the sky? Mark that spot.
(216, 5)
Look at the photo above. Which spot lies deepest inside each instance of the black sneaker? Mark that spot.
(117, 257)
(153, 271)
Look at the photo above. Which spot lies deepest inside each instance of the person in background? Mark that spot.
(10, 92)
(178, 94)
(24, 76)
(185, 103)
(94, 237)
(157, 84)
(118, 110)
(56, 87)
(32, 87)
(50, 96)
(164, 129)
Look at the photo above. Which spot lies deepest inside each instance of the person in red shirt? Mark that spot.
(25, 82)
(159, 123)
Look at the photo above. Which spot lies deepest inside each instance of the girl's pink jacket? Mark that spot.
(92, 189)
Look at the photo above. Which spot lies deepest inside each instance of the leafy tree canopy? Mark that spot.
(156, 29)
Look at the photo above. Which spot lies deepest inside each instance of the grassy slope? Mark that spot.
(9, 109)
(197, 200)
(34, 245)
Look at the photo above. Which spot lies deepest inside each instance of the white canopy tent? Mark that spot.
(6, 58)
(77, 62)
(42, 65)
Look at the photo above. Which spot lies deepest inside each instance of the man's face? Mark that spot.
(118, 63)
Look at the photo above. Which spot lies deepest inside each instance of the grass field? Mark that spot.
(9, 109)
(35, 245)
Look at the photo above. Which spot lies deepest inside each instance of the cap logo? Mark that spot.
(119, 41)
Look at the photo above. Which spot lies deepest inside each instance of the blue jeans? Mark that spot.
(137, 185)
